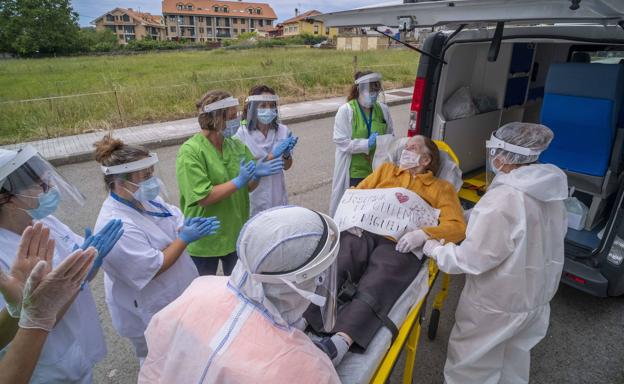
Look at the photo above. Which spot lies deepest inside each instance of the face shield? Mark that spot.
(315, 279)
(231, 123)
(141, 184)
(34, 185)
(262, 110)
(370, 90)
(497, 152)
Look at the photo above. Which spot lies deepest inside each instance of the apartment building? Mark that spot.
(207, 20)
(305, 23)
(129, 24)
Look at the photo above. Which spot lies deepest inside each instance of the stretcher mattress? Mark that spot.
(360, 367)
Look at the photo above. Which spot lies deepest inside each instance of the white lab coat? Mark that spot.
(271, 191)
(76, 343)
(133, 293)
(512, 257)
(345, 147)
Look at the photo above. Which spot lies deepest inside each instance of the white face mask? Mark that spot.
(409, 159)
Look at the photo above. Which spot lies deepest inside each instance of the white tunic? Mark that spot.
(133, 294)
(347, 146)
(271, 191)
(76, 343)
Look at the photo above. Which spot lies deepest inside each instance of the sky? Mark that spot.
(91, 9)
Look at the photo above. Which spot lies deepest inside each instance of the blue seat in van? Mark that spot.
(582, 104)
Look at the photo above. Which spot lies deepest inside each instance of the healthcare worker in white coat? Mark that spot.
(31, 191)
(512, 257)
(356, 127)
(267, 139)
(149, 266)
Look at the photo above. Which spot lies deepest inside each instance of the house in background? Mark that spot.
(207, 20)
(305, 23)
(129, 24)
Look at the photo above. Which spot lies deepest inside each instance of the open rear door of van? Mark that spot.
(436, 13)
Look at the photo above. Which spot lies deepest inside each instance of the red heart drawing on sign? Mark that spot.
(401, 197)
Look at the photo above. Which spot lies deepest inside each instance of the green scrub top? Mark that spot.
(199, 167)
(361, 167)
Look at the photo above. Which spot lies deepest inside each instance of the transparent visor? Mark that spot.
(370, 90)
(491, 162)
(215, 111)
(316, 281)
(36, 187)
(262, 111)
(143, 189)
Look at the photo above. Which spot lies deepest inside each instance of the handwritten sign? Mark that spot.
(387, 212)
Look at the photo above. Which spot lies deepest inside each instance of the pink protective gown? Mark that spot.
(209, 335)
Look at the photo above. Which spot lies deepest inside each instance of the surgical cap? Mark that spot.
(527, 135)
(276, 240)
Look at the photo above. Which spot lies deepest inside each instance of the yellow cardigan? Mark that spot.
(439, 193)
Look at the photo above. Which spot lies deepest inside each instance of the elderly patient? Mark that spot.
(377, 270)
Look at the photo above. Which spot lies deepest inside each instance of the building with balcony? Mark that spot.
(306, 24)
(207, 20)
(129, 24)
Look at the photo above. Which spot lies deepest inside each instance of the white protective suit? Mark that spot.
(512, 257)
(345, 147)
(271, 192)
(76, 343)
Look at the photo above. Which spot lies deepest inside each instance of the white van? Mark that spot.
(555, 62)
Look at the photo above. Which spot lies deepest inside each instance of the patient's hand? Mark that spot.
(356, 231)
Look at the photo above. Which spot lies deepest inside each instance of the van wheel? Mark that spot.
(433, 324)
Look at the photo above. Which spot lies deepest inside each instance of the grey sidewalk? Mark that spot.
(78, 148)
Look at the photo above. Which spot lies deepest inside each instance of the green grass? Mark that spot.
(164, 86)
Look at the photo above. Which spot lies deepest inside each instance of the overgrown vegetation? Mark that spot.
(82, 94)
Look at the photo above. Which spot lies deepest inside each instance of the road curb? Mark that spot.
(82, 156)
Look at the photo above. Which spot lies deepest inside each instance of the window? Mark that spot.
(172, 18)
(128, 28)
(260, 23)
(234, 21)
(225, 9)
(201, 19)
(121, 37)
(189, 7)
(216, 8)
(268, 23)
(227, 22)
(126, 18)
(243, 30)
(252, 23)
(209, 31)
(172, 29)
(208, 21)
(191, 20)
(129, 37)
(201, 30)
(327, 31)
(119, 27)
(316, 29)
(181, 20)
(258, 11)
(180, 6)
(218, 23)
(250, 11)
(110, 18)
(191, 31)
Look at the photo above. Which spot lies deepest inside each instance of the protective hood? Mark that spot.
(544, 182)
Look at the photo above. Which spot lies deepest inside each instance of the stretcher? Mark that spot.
(381, 356)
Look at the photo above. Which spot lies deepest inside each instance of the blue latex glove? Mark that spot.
(372, 140)
(268, 168)
(197, 227)
(246, 173)
(291, 146)
(103, 241)
(282, 147)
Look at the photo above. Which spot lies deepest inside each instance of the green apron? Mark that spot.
(361, 163)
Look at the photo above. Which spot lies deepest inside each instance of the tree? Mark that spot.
(38, 26)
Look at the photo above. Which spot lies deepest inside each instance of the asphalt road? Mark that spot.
(585, 342)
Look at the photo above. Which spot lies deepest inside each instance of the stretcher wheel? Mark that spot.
(433, 324)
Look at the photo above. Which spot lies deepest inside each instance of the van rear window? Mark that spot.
(605, 54)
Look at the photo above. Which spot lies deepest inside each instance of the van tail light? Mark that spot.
(417, 104)
(574, 278)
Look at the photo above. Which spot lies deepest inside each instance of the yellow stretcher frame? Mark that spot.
(409, 333)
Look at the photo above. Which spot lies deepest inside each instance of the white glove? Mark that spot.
(411, 240)
(35, 245)
(431, 246)
(356, 231)
(46, 293)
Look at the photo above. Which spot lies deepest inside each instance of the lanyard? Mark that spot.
(369, 121)
(123, 201)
